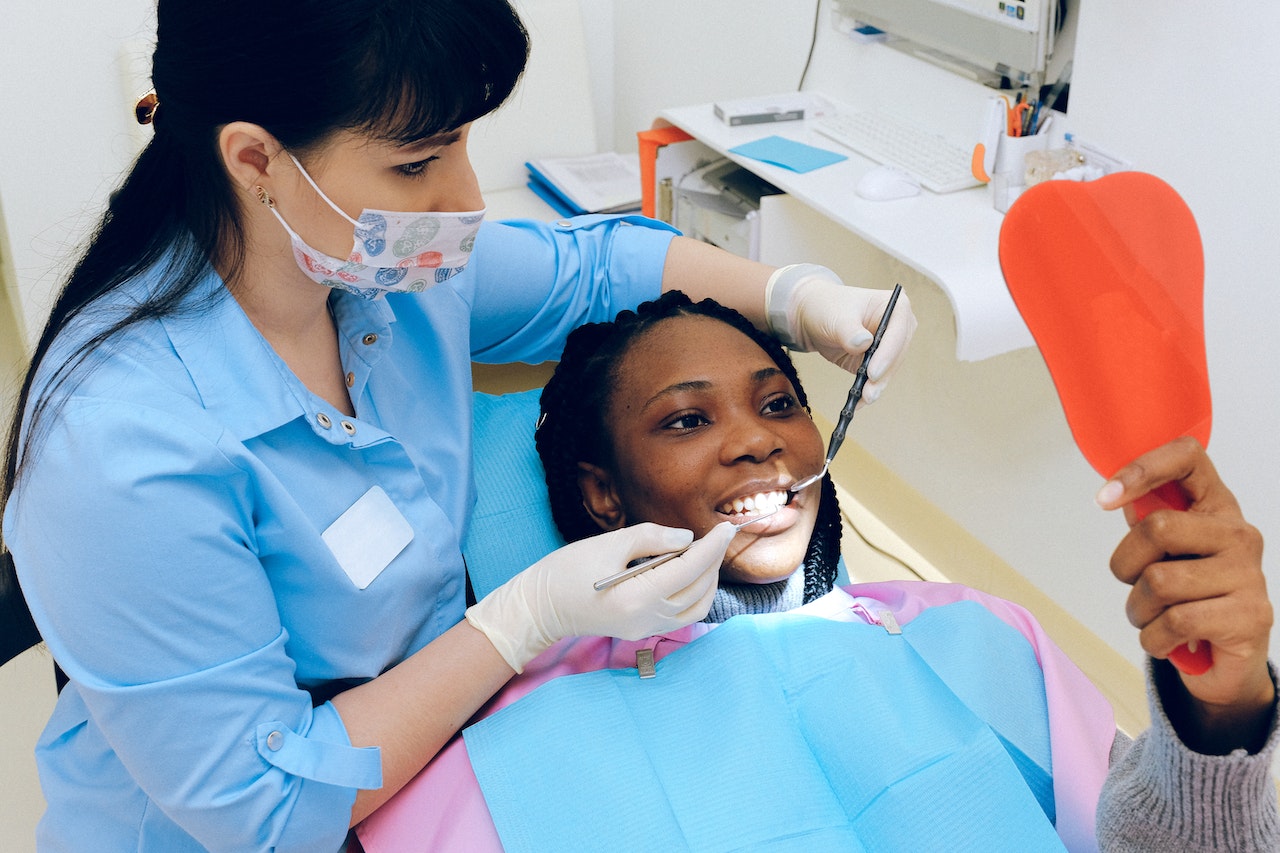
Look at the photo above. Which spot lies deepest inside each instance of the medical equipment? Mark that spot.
(653, 562)
(988, 41)
(855, 394)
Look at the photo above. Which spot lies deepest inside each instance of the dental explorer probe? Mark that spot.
(654, 562)
(855, 395)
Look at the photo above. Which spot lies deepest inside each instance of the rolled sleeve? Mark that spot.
(323, 754)
(535, 282)
(206, 749)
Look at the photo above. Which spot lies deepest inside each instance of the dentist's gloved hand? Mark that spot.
(556, 598)
(811, 310)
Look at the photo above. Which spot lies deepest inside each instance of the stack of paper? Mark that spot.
(596, 183)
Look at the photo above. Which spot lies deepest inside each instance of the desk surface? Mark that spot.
(951, 237)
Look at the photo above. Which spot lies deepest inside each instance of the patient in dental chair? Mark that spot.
(900, 715)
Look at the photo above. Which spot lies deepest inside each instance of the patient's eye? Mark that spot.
(780, 404)
(685, 421)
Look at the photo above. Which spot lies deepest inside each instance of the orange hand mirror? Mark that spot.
(1109, 277)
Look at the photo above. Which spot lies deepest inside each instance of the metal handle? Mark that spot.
(860, 379)
(855, 395)
(653, 562)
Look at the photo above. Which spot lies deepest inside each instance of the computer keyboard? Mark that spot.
(939, 164)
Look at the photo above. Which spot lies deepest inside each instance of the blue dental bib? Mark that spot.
(785, 732)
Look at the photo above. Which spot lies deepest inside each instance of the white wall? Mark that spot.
(674, 52)
(67, 131)
(1168, 86)
(1186, 95)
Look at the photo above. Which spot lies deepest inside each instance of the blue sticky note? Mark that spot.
(788, 154)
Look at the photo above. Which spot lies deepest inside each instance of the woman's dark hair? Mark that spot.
(400, 70)
(572, 427)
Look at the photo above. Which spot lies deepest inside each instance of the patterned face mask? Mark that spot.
(393, 252)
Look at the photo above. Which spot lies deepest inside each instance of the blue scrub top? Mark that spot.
(169, 534)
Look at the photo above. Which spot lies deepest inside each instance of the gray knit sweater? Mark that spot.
(1161, 796)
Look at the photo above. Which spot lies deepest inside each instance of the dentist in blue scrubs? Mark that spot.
(239, 476)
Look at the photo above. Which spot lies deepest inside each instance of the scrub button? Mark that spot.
(275, 740)
(349, 427)
(370, 339)
(564, 223)
(351, 379)
(323, 420)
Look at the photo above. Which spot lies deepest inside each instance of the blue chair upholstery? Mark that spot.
(511, 527)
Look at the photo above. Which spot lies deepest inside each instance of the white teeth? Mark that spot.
(761, 502)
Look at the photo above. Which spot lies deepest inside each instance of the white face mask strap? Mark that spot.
(320, 192)
(280, 219)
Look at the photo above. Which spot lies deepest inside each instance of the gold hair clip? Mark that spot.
(145, 110)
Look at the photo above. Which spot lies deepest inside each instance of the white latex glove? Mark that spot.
(811, 310)
(556, 598)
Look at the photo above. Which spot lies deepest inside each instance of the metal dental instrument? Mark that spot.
(653, 562)
(855, 394)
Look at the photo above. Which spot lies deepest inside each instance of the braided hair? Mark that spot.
(572, 428)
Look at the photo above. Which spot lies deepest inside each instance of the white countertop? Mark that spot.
(951, 237)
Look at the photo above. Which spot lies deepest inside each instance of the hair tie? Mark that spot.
(145, 110)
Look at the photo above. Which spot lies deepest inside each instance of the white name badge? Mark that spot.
(368, 536)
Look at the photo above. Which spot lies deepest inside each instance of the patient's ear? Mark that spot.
(599, 497)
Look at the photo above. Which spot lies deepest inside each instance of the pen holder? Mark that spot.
(1010, 178)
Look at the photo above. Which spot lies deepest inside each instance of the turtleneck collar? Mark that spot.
(737, 599)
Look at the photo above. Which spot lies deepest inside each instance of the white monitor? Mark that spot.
(995, 38)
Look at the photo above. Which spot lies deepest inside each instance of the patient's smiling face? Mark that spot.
(704, 426)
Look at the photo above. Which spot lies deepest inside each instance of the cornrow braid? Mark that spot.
(572, 428)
